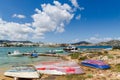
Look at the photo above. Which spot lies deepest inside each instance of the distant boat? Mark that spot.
(23, 71)
(95, 64)
(34, 55)
(71, 48)
(16, 53)
(58, 51)
(50, 52)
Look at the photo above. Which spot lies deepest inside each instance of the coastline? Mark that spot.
(111, 57)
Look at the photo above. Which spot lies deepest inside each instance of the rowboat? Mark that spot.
(23, 71)
(95, 64)
(59, 68)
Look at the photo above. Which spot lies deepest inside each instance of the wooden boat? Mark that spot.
(16, 53)
(23, 71)
(95, 64)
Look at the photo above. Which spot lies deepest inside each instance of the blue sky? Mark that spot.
(60, 21)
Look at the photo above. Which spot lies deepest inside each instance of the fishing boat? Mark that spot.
(95, 64)
(23, 71)
(59, 68)
(16, 53)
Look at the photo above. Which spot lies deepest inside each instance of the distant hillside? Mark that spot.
(8, 41)
(110, 43)
(82, 43)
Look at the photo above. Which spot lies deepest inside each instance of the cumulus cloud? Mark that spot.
(49, 18)
(14, 31)
(75, 4)
(18, 16)
(52, 18)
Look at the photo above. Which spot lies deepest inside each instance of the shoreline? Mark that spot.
(91, 73)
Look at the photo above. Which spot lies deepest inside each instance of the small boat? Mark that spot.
(16, 53)
(59, 68)
(34, 55)
(58, 51)
(70, 48)
(95, 64)
(23, 71)
(50, 52)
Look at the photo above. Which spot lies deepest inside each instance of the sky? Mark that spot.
(60, 21)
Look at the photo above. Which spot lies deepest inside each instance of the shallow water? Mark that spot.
(6, 61)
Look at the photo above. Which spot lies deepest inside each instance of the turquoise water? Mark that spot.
(91, 47)
(6, 61)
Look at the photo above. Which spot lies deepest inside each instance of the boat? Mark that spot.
(95, 64)
(34, 55)
(70, 48)
(16, 53)
(58, 51)
(23, 71)
(50, 52)
(59, 68)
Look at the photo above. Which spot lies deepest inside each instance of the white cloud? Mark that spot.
(78, 17)
(14, 31)
(52, 18)
(18, 16)
(97, 39)
(75, 4)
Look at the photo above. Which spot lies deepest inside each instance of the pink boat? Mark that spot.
(59, 68)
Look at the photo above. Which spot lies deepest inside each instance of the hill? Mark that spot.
(82, 43)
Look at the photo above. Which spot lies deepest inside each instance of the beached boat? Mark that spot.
(23, 71)
(16, 53)
(95, 64)
(59, 68)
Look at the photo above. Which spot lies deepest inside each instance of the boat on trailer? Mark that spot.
(23, 71)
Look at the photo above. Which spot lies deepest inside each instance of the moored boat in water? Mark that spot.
(16, 53)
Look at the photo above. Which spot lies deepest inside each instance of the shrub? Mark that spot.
(74, 55)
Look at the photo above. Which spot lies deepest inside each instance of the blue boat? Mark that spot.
(34, 55)
(95, 64)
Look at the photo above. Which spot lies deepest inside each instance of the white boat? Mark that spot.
(16, 53)
(71, 48)
(23, 71)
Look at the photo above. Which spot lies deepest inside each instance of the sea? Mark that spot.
(8, 61)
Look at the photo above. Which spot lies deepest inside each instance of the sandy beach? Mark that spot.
(90, 73)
